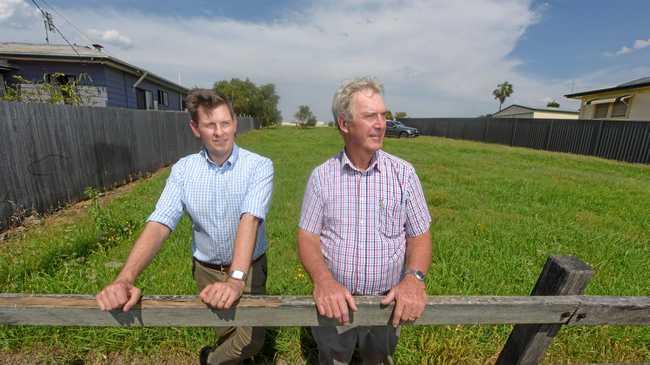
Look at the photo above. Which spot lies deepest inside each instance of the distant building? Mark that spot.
(628, 101)
(112, 82)
(521, 111)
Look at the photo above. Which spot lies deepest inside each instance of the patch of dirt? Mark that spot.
(116, 358)
(17, 358)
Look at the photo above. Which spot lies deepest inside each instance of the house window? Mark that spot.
(619, 109)
(59, 79)
(601, 110)
(148, 97)
(163, 98)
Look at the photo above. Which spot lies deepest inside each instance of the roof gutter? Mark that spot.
(140, 79)
(598, 91)
(105, 60)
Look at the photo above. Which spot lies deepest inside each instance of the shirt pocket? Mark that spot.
(392, 217)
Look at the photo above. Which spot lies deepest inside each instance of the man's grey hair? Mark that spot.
(341, 104)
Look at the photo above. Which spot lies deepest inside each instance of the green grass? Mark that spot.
(498, 213)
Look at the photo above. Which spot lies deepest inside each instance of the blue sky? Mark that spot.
(574, 36)
(435, 57)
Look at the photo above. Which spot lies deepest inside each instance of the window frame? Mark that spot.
(163, 97)
(599, 106)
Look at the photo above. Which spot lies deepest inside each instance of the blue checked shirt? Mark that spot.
(215, 197)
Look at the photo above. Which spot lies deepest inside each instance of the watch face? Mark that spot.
(236, 274)
(419, 275)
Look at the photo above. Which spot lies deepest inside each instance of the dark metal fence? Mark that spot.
(617, 140)
(50, 153)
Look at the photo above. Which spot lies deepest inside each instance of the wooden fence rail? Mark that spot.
(279, 311)
(555, 302)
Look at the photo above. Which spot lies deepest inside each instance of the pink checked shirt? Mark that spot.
(363, 219)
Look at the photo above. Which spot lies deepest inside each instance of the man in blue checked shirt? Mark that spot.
(226, 190)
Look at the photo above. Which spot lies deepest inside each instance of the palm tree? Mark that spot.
(502, 91)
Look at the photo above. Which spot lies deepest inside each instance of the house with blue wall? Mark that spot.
(104, 80)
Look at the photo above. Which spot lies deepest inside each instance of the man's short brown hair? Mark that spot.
(208, 99)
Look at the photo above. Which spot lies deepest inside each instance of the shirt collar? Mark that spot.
(232, 159)
(374, 161)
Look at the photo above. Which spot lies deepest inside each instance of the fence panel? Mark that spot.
(618, 140)
(50, 153)
(531, 133)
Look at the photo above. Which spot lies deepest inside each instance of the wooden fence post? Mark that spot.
(562, 275)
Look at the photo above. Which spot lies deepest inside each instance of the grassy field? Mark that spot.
(498, 213)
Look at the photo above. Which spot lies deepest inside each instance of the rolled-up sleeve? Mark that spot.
(258, 196)
(169, 208)
(418, 218)
(311, 216)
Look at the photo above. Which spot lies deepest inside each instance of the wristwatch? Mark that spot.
(238, 275)
(418, 274)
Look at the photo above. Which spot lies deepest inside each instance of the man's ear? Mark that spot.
(194, 126)
(342, 123)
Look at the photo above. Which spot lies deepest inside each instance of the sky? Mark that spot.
(436, 58)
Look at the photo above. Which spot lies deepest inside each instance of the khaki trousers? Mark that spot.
(235, 344)
(336, 345)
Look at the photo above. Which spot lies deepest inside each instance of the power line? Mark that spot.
(50, 24)
(68, 21)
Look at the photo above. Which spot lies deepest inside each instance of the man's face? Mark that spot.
(216, 128)
(366, 130)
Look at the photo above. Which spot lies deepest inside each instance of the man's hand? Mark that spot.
(332, 300)
(118, 294)
(410, 297)
(222, 295)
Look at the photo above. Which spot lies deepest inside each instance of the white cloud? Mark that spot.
(641, 43)
(16, 14)
(112, 37)
(436, 58)
(638, 44)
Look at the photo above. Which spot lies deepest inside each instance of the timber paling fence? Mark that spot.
(554, 302)
(616, 140)
(49, 154)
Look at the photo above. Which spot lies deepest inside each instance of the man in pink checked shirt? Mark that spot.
(364, 230)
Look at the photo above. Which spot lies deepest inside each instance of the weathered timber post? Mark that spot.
(562, 275)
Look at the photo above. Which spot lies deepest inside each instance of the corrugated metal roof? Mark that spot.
(63, 50)
(644, 81)
(641, 81)
(552, 110)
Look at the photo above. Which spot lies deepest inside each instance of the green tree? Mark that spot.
(502, 92)
(400, 115)
(552, 104)
(389, 115)
(259, 102)
(305, 117)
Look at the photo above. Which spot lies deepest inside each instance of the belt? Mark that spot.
(220, 267)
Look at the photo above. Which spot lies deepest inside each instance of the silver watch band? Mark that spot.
(418, 274)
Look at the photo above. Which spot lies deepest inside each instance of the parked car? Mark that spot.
(397, 129)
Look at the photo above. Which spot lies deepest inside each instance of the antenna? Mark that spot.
(49, 24)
